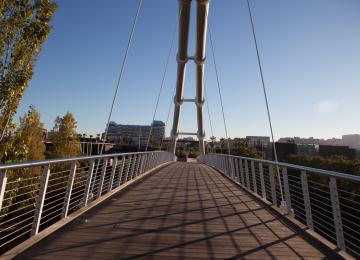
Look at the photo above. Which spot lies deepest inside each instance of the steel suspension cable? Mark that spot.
(168, 114)
(161, 86)
(121, 71)
(118, 83)
(208, 112)
(265, 95)
(219, 88)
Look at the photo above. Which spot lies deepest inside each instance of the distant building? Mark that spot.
(332, 141)
(353, 141)
(136, 135)
(283, 150)
(258, 141)
(299, 140)
(312, 141)
(307, 149)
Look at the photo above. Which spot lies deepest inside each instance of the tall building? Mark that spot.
(353, 141)
(136, 135)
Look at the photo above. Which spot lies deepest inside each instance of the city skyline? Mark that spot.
(219, 137)
(313, 85)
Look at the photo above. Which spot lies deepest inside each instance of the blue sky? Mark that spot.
(310, 52)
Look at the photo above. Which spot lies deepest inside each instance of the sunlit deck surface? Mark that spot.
(184, 210)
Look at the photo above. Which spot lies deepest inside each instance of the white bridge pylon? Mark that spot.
(199, 60)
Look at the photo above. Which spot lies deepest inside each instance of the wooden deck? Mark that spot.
(184, 210)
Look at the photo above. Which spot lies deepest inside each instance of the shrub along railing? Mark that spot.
(327, 202)
(35, 195)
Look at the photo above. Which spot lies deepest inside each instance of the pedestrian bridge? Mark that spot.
(146, 205)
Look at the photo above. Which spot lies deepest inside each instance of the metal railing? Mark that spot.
(35, 195)
(326, 201)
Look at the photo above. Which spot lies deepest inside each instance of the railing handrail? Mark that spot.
(322, 204)
(347, 176)
(13, 166)
(42, 197)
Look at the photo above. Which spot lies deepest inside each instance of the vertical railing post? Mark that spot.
(262, 181)
(242, 172)
(149, 161)
(137, 157)
(228, 171)
(254, 176)
(247, 174)
(223, 163)
(272, 185)
(153, 162)
(113, 172)
(95, 176)
(133, 167)
(138, 168)
(336, 213)
(287, 208)
(128, 164)
(40, 200)
(88, 183)
(102, 177)
(3, 180)
(237, 170)
(226, 164)
(138, 165)
(121, 172)
(306, 196)
(158, 161)
(233, 168)
(143, 164)
(69, 188)
(231, 171)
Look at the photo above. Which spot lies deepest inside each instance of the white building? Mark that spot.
(353, 141)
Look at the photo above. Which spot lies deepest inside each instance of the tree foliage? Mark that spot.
(240, 147)
(64, 138)
(27, 143)
(333, 163)
(29, 139)
(24, 26)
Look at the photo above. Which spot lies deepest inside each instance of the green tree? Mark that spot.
(241, 148)
(333, 163)
(24, 26)
(6, 143)
(29, 139)
(64, 138)
(27, 143)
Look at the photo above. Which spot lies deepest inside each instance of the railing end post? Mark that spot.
(3, 180)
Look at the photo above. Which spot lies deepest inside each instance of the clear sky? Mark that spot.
(310, 52)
